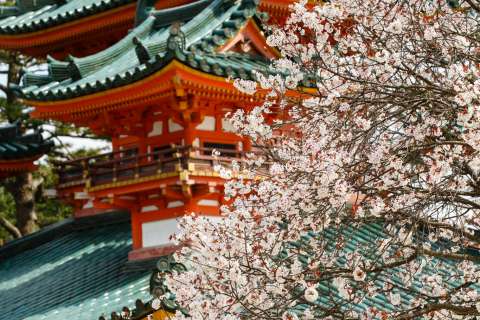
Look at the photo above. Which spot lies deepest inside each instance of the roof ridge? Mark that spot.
(35, 239)
(48, 13)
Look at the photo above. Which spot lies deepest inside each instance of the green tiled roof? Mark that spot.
(32, 15)
(365, 239)
(14, 145)
(149, 47)
(78, 274)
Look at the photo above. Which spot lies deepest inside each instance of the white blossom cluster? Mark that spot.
(370, 206)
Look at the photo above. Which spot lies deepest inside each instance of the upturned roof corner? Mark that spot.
(16, 145)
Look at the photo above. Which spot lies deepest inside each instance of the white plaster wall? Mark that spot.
(88, 205)
(149, 208)
(157, 233)
(175, 204)
(157, 129)
(227, 125)
(81, 196)
(208, 124)
(173, 126)
(208, 203)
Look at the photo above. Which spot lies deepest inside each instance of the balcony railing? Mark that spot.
(126, 165)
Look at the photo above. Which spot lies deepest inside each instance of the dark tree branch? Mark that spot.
(459, 310)
(473, 5)
(10, 228)
(452, 256)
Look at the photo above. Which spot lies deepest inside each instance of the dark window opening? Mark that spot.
(131, 152)
(129, 156)
(163, 152)
(225, 149)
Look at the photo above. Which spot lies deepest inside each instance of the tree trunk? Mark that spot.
(21, 188)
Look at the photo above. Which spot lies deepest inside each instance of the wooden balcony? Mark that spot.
(127, 165)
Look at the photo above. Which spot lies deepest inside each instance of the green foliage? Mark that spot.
(8, 3)
(11, 111)
(7, 210)
(86, 152)
(49, 210)
(69, 130)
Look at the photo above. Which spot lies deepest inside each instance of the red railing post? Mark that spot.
(160, 159)
(137, 171)
(114, 171)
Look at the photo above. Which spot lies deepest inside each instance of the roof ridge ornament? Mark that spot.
(176, 40)
(165, 265)
(158, 287)
(73, 69)
(163, 298)
(141, 51)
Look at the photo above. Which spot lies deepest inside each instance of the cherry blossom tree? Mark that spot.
(365, 202)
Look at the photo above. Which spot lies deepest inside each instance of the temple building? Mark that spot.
(18, 150)
(157, 78)
(161, 94)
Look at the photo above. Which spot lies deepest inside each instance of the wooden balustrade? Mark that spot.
(122, 165)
